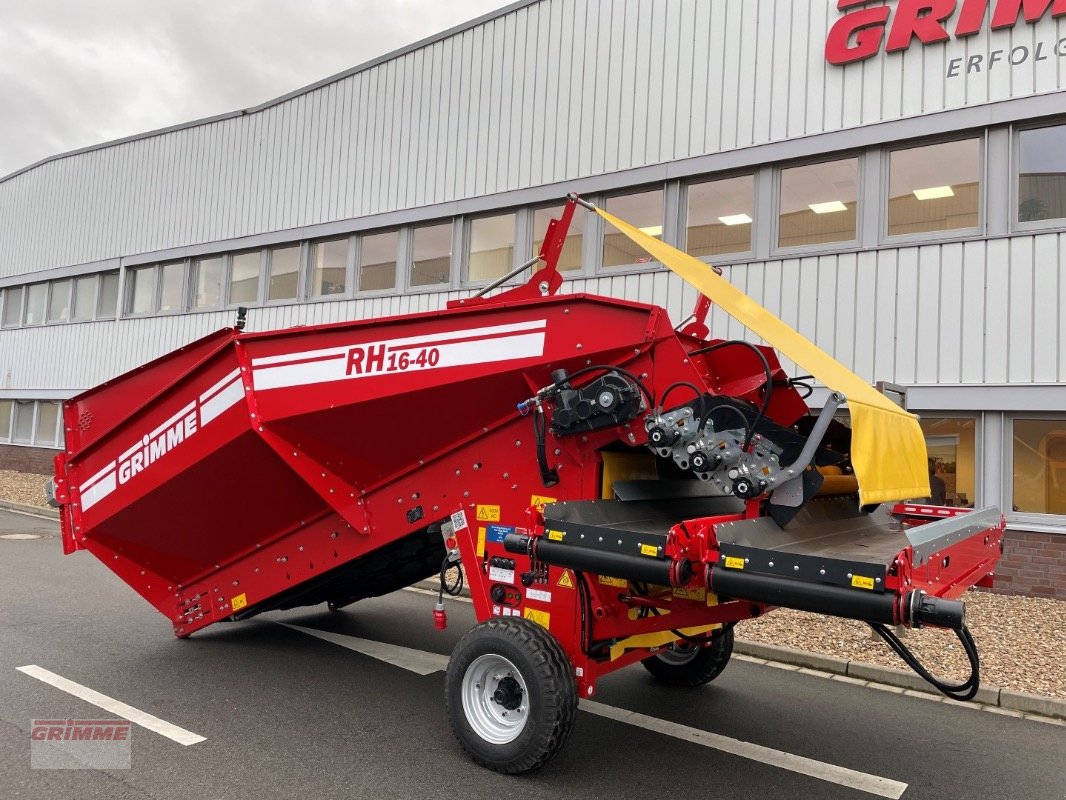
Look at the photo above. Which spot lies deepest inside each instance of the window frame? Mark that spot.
(192, 267)
(10, 420)
(1025, 519)
(740, 257)
(978, 420)
(467, 239)
(603, 200)
(26, 303)
(117, 312)
(302, 269)
(227, 279)
(579, 222)
(22, 304)
(1014, 224)
(97, 281)
(357, 264)
(408, 251)
(348, 265)
(932, 237)
(777, 252)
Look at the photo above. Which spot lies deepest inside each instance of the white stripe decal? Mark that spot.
(144, 440)
(218, 387)
(98, 476)
(413, 341)
(222, 401)
(98, 491)
(134, 715)
(383, 358)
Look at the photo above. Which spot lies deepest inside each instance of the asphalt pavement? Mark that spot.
(283, 713)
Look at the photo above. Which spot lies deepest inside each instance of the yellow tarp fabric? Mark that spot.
(887, 445)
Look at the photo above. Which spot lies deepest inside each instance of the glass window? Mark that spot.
(244, 278)
(934, 188)
(47, 420)
(142, 290)
(818, 203)
(5, 419)
(377, 261)
(108, 301)
(207, 282)
(12, 306)
(36, 296)
(84, 298)
(284, 273)
(59, 301)
(23, 429)
(719, 216)
(432, 255)
(643, 210)
(951, 445)
(172, 292)
(1042, 174)
(491, 247)
(330, 267)
(570, 257)
(1039, 466)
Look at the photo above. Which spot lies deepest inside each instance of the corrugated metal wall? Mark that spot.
(915, 315)
(550, 92)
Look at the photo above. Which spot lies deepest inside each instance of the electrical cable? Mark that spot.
(766, 368)
(960, 691)
(455, 588)
(700, 395)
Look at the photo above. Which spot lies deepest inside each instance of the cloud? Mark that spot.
(76, 74)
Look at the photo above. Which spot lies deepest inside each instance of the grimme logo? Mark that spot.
(80, 744)
(869, 26)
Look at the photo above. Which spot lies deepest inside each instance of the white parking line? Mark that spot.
(134, 715)
(872, 784)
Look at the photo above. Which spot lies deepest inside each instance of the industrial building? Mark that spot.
(887, 178)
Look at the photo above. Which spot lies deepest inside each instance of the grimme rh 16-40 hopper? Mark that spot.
(617, 490)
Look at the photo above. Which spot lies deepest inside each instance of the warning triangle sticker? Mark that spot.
(565, 580)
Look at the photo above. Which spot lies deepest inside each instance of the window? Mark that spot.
(284, 273)
(207, 282)
(1039, 457)
(84, 298)
(23, 428)
(1042, 174)
(172, 289)
(818, 203)
(934, 188)
(720, 216)
(570, 257)
(431, 255)
(142, 290)
(643, 210)
(108, 300)
(36, 296)
(377, 261)
(244, 278)
(951, 445)
(491, 247)
(47, 422)
(329, 259)
(5, 419)
(12, 306)
(59, 301)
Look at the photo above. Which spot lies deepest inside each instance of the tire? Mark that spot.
(689, 665)
(511, 695)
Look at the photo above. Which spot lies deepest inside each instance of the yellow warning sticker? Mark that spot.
(488, 513)
(862, 582)
(238, 602)
(618, 583)
(538, 501)
(734, 563)
(556, 536)
(481, 541)
(698, 593)
(565, 580)
(649, 550)
(542, 618)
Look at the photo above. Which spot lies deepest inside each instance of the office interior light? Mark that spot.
(653, 230)
(832, 207)
(735, 219)
(934, 193)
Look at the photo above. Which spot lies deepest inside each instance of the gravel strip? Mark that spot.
(1021, 640)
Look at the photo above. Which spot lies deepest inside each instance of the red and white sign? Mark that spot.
(870, 26)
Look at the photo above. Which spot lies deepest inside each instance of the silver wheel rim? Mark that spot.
(680, 655)
(492, 720)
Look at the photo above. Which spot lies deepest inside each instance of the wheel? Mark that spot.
(510, 694)
(691, 665)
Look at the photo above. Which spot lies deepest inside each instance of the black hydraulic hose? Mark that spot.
(766, 368)
(955, 691)
(743, 420)
(548, 476)
(677, 385)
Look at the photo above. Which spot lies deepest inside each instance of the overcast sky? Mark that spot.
(79, 72)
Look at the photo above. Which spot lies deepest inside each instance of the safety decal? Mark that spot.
(734, 563)
(501, 575)
(862, 582)
(488, 513)
(556, 536)
(565, 581)
(538, 501)
(481, 541)
(649, 550)
(618, 583)
(238, 602)
(542, 618)
(539, 595)
(497, 533)
(459, 520)
(698, 593)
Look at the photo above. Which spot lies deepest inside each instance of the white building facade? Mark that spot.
(887, 177)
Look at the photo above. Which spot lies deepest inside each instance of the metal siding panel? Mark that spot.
(802, 40)
(862, 314)
(650, 153)
(972, 332)
(685, 95)
(1020, 329)
(770, 104)
(1047, 331)
(997, 319)
(950, 314)
(747, 66)
(713, 122)
(908, 281)
(884, 313)
(630, 116)
(926, 296)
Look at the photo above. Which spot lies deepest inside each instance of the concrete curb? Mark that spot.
(35, 511)
(861, 672)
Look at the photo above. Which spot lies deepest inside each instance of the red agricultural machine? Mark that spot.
(617, 491)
